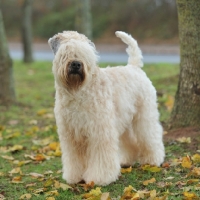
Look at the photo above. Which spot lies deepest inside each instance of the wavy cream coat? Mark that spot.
(107, 120)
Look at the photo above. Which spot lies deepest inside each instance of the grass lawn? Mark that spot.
(30, 162)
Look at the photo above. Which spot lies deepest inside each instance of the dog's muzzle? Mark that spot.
(75, 67)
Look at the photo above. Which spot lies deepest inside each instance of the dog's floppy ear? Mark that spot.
(54, 43)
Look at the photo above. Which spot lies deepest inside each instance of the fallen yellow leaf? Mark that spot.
(54, 145)
(48, 182)
(13, 135)
(147, 182)
(57, 153)
(50, 198)
(43, 142)
(190, 195)
(88, 186)
(21, 163)
(93, 193)
(15, 148)
(126, 170)
(130, 193)
(36, 175)
(186, 162)
(34, 129)
(195, 172)
(169, 103)
(48, 172)
(175, 162)
(135, 196)
(143, 193)
(52, 193)
(16, 171)
(30, 185)
(2, 174)
(193, 181)
(130, 188)
(65, 186)
(38, 157)
(8, 157)
(96, 191)
(184, 140)
(33, 122)
(166, 184)
(196, 158)
(39, 191)
(152, 194)
(26, 196)
(151, 168)
(17, 179)
(41, 112)
(105, 196)
(59, 171)
(2, 127)
(169, 178)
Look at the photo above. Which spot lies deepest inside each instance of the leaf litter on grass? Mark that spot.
(148, 187)
(52, 186)
(30, 156)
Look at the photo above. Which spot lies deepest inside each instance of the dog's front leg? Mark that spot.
(103, 166)
(72, 160)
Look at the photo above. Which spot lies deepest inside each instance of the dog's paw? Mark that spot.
(101, 177)
(153, 159)
(71, 178)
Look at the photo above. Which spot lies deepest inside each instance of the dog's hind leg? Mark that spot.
(128, 151)
(149, 135)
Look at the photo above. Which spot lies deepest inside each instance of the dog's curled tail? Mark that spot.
(134, 52)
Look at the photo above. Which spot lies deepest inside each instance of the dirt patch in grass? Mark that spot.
(192, 132)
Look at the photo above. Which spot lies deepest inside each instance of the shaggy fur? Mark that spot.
(105, 117)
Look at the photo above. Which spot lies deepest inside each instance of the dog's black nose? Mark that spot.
(76, 65)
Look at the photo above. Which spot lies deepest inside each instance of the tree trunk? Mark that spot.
(186, 111)
(27, 31)
(83, 22)
(7, 92)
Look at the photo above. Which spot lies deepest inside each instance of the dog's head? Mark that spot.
(75, 59)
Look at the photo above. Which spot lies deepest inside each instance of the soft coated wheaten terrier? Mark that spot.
(105, 117)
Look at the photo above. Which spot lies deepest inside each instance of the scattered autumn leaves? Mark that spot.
(150, 182)
(36, 151)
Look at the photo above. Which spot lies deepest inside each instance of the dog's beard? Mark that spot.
(72, 80)
(75, 80)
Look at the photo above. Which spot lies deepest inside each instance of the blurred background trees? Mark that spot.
(7, 92)
(186, 111)
(26, 21)
(83, 18)
(150, 20)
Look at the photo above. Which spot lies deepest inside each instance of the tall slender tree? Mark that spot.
(83, 22)
(186, 111)
(7, 92)
(27, 30)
